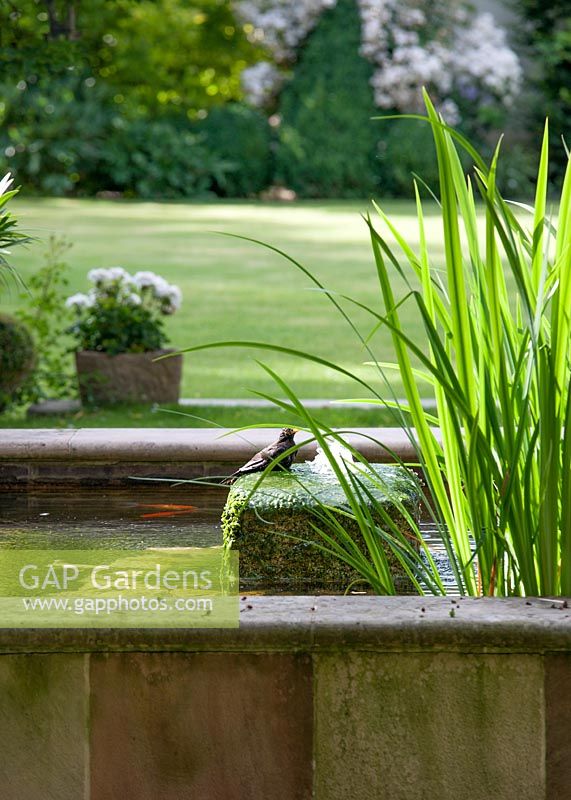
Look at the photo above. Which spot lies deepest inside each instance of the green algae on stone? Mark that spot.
(262, 521)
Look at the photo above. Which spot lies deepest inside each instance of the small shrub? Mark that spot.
(17, 358)
(42, 313)
(158, 159)
(122, 313)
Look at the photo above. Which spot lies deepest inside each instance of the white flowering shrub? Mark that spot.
(462, 58)
(122, 313)
(482, 60)
(261, 83)
(281, 25)
(154, 288)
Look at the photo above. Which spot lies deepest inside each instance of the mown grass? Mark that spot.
(199, 417)
(234, 289)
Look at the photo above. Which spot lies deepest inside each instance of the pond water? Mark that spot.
(137, 518)
(99, 518)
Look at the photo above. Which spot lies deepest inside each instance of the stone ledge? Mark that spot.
(177, 444)
(326, 624)
(110, 456)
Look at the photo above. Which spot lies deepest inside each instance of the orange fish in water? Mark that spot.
(168, 510)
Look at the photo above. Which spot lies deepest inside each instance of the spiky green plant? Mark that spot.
(499, 359)
(501, 371)
(9, 236)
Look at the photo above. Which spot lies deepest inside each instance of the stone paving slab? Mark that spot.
(258, 402)
(70, 406)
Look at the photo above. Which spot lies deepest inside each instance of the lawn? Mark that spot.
(235, 289)
(196, 417)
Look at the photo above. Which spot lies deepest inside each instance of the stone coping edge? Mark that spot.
(113, 445)
(326, 623)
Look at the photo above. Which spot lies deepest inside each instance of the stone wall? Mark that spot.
(326, 698)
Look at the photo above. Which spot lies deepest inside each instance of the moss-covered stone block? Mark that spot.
(272, 526)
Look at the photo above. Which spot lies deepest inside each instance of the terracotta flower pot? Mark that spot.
(128, 377)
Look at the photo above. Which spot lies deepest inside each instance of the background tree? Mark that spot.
(145, 97)
(86, 90)
(548, 36)
(155, 55)
(171, 55)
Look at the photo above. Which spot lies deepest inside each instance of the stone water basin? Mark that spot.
(143, 516)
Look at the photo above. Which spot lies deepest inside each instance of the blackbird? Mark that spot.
(260, 461)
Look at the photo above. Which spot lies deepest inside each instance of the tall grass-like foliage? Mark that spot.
(499, 360)
(500, 365)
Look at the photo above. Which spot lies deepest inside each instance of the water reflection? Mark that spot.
(137, 518)
(99, 518)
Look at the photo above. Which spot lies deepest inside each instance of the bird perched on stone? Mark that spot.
(261, 460)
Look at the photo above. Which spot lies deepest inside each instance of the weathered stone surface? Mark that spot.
(75, 474)
(272, 526)
(91, 456)
(213, 726)
(43, 727)
(202, 444)
(311, 624)
(408, 703)
(128, 377)
(430, 725)
(326, 622)
(558, 725)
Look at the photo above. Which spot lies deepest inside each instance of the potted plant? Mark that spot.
(119, 334)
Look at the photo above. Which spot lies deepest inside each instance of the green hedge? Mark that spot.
(157, 159)
(240, 137)
(53, 133)
(406, 149)
(64, 137)
(327, 142)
